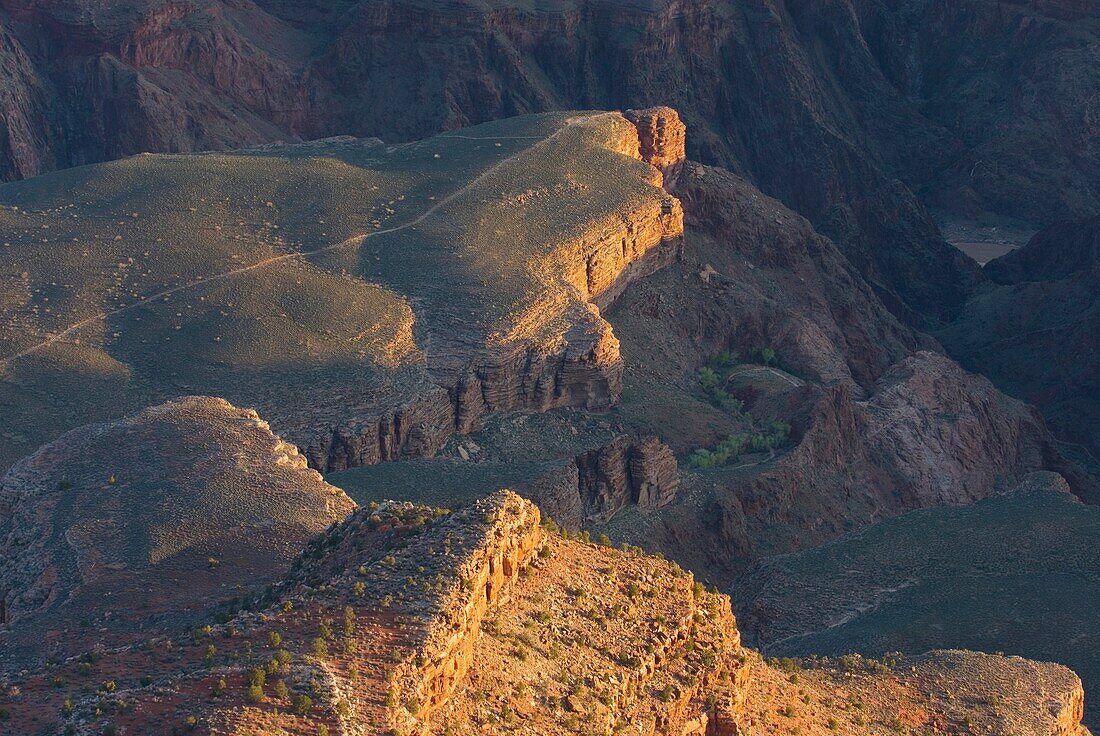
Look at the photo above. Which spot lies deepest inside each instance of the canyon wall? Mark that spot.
(583, 370)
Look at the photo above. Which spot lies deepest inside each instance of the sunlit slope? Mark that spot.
(299, 279)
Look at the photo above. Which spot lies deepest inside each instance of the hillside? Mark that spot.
(879, 423)
(160, 515)
(979, 577)
(406, 619)
(369, 300)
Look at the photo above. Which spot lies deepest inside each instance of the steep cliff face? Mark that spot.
(827, 107)
(928, 435)
(582, 370)
(490, 570)
(1033, 329)
(881, 423)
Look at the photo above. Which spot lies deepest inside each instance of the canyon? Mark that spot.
(290, 291)
(863, 116)
(411, 619)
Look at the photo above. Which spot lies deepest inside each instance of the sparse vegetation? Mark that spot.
(760, 437)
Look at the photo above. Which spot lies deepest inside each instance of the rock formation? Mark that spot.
(626, 472)
(857, 115)
(408, 619)
(385, 361)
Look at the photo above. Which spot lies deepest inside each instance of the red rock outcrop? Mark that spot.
(488, 572)
(663, 140)
(626, 472)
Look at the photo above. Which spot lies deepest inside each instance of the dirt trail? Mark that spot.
(357, 239)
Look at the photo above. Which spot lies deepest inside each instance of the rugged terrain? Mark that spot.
(980, 577)
(880, 424)
(1033, 328)
(152, 514)
(370, 300)
(412, 619)
(851, 112)
(651, 350)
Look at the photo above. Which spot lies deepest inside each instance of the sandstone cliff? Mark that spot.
(408, 619)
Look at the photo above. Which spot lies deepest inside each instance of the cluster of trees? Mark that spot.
(763, 436)
(728, 451)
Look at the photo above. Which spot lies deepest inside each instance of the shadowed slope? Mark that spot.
(164, 513)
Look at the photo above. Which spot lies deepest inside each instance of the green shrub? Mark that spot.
(302, 704)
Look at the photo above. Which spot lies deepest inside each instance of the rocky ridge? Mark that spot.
(408, 619)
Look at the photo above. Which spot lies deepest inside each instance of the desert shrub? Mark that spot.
(281, 690)
(254, 694)
(302, 704)
(257, 677)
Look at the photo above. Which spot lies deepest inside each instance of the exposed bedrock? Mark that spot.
(928, 435)
(624, 472)
(582, 370)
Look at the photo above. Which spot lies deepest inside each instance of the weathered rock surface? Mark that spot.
(416, 620)
(663, 140)
(625, 472)
(882, 424)
(928, 435)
